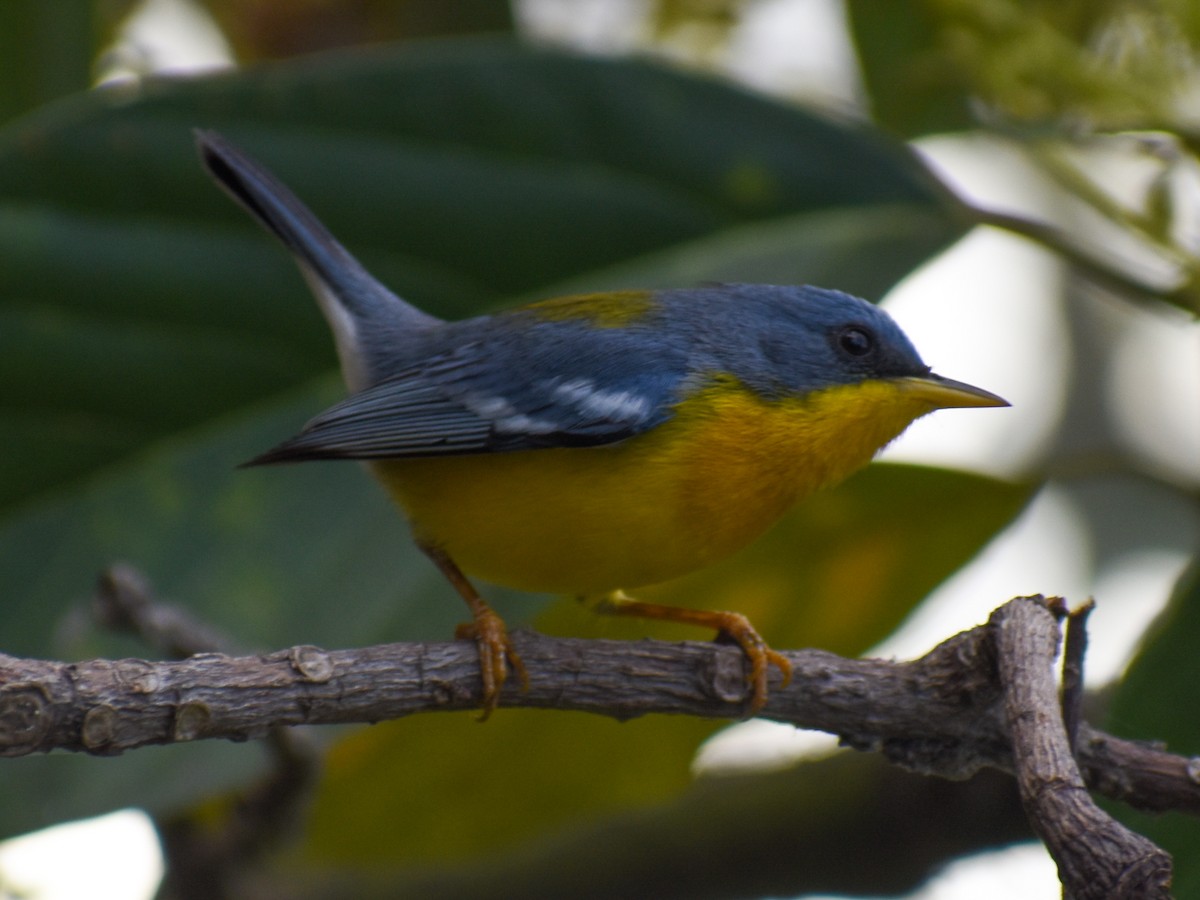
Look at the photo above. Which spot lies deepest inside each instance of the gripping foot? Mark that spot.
(729, 626)
(487, 630)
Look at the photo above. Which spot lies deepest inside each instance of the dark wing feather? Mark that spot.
(399, 417)
(486, 396)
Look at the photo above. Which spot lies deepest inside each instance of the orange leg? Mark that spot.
(486, 628)
(731, 625)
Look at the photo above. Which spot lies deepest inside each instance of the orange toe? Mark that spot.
(761, 657)
(496, 655)
(729, 625)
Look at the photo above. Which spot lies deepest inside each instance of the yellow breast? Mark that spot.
(704, 484)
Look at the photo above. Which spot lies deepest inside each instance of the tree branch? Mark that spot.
(942, 714)
(984, 698)
(1074, 651)
(1093, 265)
(1097, 857)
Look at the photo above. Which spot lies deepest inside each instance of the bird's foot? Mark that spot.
(737, 629)
(486, 629)
(496, 655)
(730, 626)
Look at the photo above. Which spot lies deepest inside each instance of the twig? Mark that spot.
(125, 601)
(1097, 857)
(1183, 295)
(1074, 650)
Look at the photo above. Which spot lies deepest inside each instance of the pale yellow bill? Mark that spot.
(945, 393)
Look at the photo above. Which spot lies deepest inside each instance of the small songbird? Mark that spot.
(588, 444)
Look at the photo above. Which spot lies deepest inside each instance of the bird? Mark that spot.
(590, 445)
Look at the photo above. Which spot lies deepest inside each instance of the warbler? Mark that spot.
(590, 444)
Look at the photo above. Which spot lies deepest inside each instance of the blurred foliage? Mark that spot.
(1067, 82)
(151, 339)
(1110, 65)
(48, 48)
(1156, 701)
(814, 827)
(277, 29)
(699, 28)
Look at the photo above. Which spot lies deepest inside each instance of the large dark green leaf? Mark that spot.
(151, 337)
(914, 84)
(1157, 701)
(48, 49)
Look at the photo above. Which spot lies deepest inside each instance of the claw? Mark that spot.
(738, 629)
(496, 655)
(729, 626)
(487, 630)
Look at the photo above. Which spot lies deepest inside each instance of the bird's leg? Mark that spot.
(730, 625)
(486, 629)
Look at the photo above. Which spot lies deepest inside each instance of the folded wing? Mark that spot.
(484, 397)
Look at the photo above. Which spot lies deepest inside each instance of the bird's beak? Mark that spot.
(944, 393)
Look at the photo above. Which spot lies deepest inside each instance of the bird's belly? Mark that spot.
(579, 521)
(595, 519)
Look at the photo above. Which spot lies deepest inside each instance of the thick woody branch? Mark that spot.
(985, 698)
(942, 714)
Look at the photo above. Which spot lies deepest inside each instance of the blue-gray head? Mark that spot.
(787, 339)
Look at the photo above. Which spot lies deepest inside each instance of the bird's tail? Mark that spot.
(363, 315)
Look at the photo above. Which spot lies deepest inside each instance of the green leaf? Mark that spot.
(763, 834)
(151, 338)
(47, 50)
(261, 31)
(468, 789)
(1156, 701)
(915, 87)
(862, 251)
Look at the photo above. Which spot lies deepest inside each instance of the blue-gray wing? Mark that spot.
(489, 396)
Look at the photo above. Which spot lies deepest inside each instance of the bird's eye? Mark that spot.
(856, 341)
